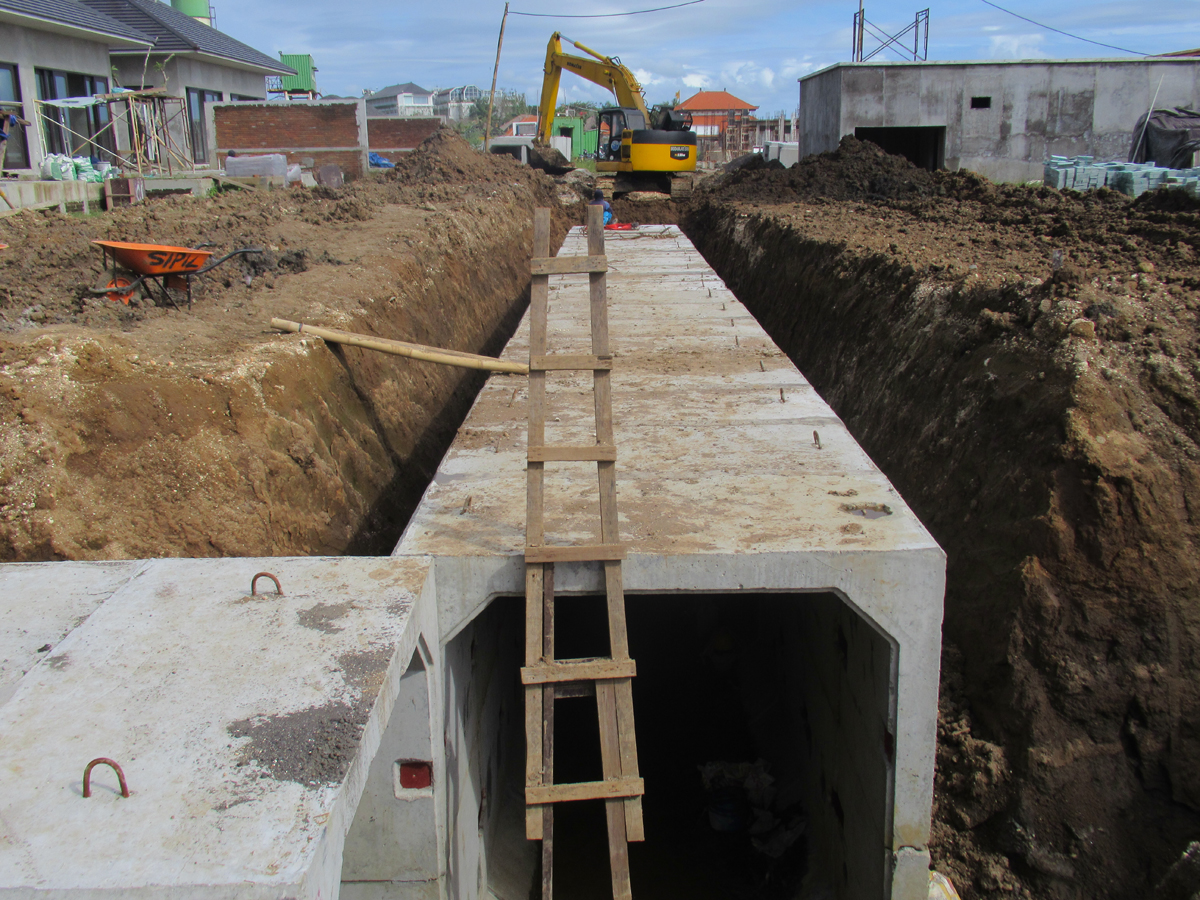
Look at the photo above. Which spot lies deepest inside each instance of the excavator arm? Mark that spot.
(602, 70)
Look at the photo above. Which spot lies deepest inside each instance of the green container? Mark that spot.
(197, 9)
(305, 78)
(581, 141)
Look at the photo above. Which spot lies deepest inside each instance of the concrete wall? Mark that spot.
(326, 131)
(1038, 108)
(485, 757)
(392, 849)
(180, 73)
(30, 49)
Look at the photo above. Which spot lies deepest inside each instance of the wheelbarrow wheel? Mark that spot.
(119, 283)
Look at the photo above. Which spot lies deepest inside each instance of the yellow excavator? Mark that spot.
(650, 150)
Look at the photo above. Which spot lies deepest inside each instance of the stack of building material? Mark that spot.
(1080, 173)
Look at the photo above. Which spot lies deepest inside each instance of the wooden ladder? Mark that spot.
(545, 677)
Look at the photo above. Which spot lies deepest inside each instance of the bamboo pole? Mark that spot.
(403, 348)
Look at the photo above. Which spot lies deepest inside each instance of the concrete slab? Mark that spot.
(41, 604)
(732, 475)
(212, 700)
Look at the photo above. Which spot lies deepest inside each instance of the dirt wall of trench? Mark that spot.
(1045, 431)
(145, 431)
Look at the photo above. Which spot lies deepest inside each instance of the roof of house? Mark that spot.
(713, 100)
(75, 17)
(174, 32)
(394, 90)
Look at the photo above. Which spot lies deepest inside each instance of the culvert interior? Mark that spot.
(765, 728)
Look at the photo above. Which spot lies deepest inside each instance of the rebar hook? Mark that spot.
(254, 582)
(87, 775)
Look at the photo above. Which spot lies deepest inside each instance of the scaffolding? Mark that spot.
(147, 131)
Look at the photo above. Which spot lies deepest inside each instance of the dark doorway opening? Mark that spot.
(699, 703)
(923, 146)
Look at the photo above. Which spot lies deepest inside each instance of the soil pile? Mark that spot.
(1022, 363)
(857, 170)
(145, 431)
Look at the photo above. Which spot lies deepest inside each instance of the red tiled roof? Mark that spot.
(706, 100)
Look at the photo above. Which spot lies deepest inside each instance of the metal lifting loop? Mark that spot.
(254, 582)
(87, 775)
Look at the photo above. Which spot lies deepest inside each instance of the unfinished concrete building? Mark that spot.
(1000, 119)
(354, 726)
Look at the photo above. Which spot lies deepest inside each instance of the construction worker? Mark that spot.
(7, 121)
(598, 200)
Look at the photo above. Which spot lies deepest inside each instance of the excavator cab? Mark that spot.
(620, 129)
(612, 131)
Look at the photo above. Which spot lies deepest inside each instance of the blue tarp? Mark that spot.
(378, 162)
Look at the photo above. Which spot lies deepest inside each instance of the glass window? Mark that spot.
(197, 100)
(16, 154)
(81, 131)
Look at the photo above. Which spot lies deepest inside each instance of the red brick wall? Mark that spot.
(386, 136)
(299, 131)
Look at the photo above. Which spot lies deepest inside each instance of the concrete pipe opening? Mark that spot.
(765, 728)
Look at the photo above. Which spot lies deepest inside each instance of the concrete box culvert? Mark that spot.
(735, 481)
(262, 739)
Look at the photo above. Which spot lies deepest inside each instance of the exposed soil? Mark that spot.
(1022, 364)
(145, 431)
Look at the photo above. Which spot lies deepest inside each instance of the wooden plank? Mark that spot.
(548, 734)
(534, 581)
(577, 553)
(584, 790)
(619, 647)
(614, 809)
(578, 670)
(568, 265)
(534, 528)
(594, 453)
(568, 362)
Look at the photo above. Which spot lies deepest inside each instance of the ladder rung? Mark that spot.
(578, 553)
(569, 265)
(578, 670)
(584, 790)
(568, 362)
(566, 690)
(594, 453)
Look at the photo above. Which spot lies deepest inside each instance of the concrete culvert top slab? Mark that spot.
(244, 732)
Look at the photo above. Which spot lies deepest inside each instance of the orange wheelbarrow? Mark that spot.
(172, 267)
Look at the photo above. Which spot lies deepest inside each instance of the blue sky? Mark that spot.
(755, 49)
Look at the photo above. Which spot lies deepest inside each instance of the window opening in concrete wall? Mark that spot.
(923, 146)
(16, 155)
(68, 129)
(197, 100)
(764, 727)
(981, 103)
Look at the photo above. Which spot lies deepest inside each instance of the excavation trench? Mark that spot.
(1070, 566)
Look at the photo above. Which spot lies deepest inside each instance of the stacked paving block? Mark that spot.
(1082, 173)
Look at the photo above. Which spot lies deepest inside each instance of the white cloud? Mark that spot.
(695, 80)
(646, 78)
(1018, 46)
(794, 68)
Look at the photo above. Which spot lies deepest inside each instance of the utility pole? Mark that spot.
(487, 134)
